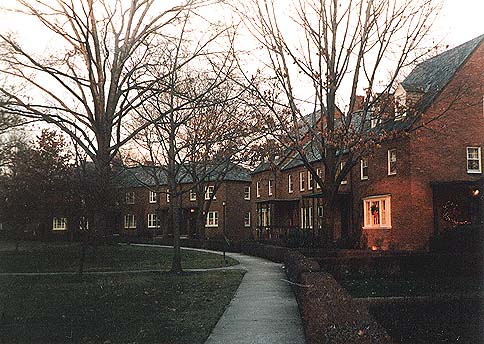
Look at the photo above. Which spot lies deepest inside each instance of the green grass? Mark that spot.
(64, 257)
(127, 308)
(412, 286)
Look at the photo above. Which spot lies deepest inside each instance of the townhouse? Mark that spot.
(144, 202)
(409, 188)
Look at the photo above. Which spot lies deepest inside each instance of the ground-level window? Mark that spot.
(129, 221)
(307, 217)
(247, 219)
(212, 219)
(265, 217)
(474, 160)
(59, 224)
(377, 212)
(153, 221)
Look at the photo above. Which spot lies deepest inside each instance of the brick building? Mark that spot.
(144, 201)
(409, 188)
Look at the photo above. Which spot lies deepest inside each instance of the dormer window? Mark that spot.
(400, 106)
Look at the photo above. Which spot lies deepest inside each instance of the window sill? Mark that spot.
(474, 172)
(211, 226)
(378, 227)
(59, 229)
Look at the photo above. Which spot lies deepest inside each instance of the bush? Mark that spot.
(467, 238)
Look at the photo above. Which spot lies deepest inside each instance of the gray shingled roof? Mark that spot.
(431, 76)
(146, 176)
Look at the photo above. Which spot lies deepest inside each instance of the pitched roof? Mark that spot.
(146, 176)
(431, 76)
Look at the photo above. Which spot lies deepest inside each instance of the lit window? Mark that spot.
(257, 189)
(377, 212)
(152, 197)
(59, 224)
(364, 168)
(306, 217)
(474, 164)
(153, 221)
(193, 195)
(392, 162)
(302, 181)
(212, 219)
(130, 197)
(167, 195)
(247, 219)
(320, 175)
(310, 181)
(247, 193)
(209, 192)
(129, 221)
(270, 186)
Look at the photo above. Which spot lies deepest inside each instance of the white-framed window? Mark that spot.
(302, 181)
(130, 221)
(193, 195)
(306, 217)
(59, 224)
(290, 184)
(319, 172)
(167, 195)
(153, 221)
(345, 179)
(129, 197)
(364, 168)
(247, 193)
(270, 187)
(84, 223)
(474, 160)
(257, 189)
(209, 192)
(212, 219)
(392, 162)
(153, 197)
(310, 181)
(377, 212)
(265, 217)
(247, 219)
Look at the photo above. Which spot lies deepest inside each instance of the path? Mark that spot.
(264, 309)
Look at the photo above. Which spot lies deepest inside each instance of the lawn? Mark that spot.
(64, 257)
(147, 307)
(127, 308)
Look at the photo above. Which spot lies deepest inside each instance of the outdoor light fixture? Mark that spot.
(475, 192)
(192, 210)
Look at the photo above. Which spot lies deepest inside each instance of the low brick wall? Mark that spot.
(329, 313)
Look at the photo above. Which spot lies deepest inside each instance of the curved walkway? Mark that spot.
(264, 309)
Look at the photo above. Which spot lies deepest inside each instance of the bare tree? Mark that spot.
(93, 77)
(317, 64)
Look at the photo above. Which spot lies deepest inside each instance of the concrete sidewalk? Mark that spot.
(264, 309)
